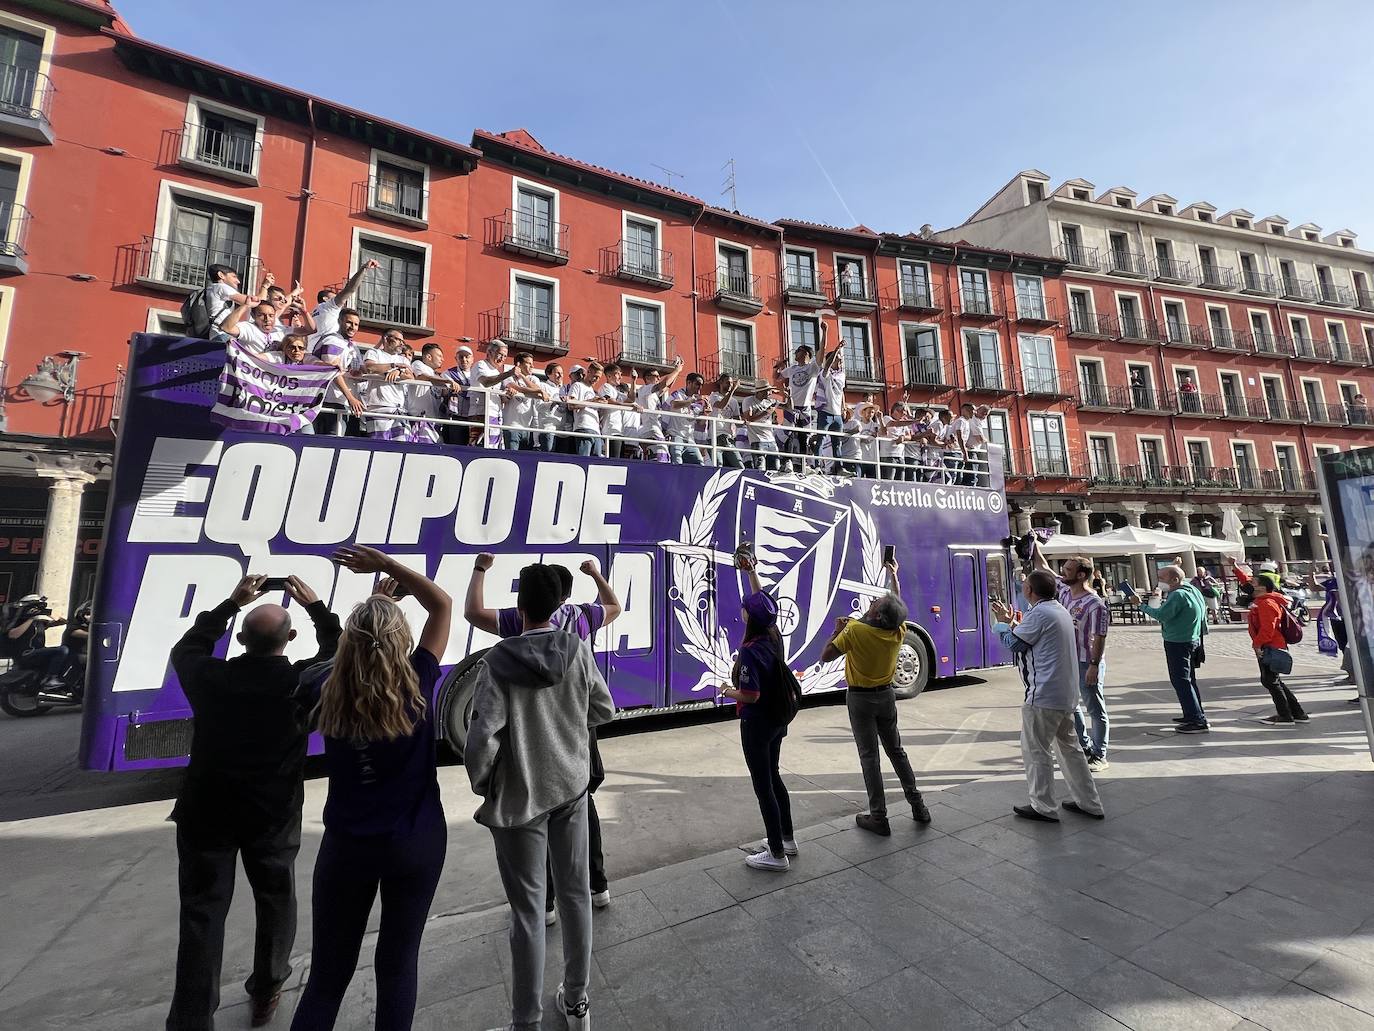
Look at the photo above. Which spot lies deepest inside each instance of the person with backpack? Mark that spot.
(204, 310)
(1272, 630)
(1182, 621)
(768, 697)
(384, 827)
(527, 755)
(584, 620)
(1206, 585)
(870, 646)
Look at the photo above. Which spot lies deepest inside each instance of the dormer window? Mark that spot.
(1123, 202)
(1035, 192)
(1345, 241)
(1165, 209)
(1310, 236)
(1277, 230)
(1242, 223)
(1081, 195)
(1204, 216)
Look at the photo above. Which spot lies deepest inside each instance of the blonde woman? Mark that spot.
(384, 826)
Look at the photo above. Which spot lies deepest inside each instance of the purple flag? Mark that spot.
(255, 394)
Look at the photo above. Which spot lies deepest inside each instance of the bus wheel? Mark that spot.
(913, 666)
(454, 704)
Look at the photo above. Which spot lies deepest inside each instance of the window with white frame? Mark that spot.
(1152, 458)
(533, 317)
(21, 70)
(973, 289)
(732, 271)
(858, 358)
(1243, 454)
(1199, 459)
(1081, 311)
(535, 222)
(399, 188)
(1232, 397)
(914, 282)
(222, 139)
(800, 270)
(803, 331)
(392, 293)
(999, 435)
(851, 279)
(1049, 450)
(1030, 297)
(200, 231)
(644, 340)
(1314, 399)
(1102, 457)
(737, 350)
(924, 364)
(1219, 325)
(1175, 322)
(982, 359)
(1286, 458)
(641, 251)
(1038, 372)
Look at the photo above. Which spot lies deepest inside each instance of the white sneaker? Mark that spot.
(789, 847)
(765, 860)
(578, 1016)
(601, 899)
(550, 917)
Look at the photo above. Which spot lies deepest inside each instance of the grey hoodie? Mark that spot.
(528, 749)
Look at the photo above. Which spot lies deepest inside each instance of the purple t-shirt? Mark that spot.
(757, 671)
(584, 620)
(1091, 618)
(385, 787)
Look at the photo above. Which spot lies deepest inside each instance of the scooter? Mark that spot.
(24, 693)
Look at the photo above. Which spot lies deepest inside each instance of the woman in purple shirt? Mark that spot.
(384, 828)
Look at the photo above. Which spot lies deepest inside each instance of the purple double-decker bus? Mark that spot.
(194, 507)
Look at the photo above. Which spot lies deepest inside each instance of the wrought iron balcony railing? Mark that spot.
(732, 289)
(1270, 344)
(1349, 352)
(1104, 397)
(987, 378)
(1257, 283)
(393, 304)
(1135, 328)
(863, 370)
(1122, 261)
(1217, 277)
(650, 265)
(1092, 324)
(1324, 414)
(1171, 270)
(634, 347)
(915, 295)
(1335, 294)
(1077, 256)
(852, 292)
(1047, 383)
(389, 198)
(1149, 400)
(1364, 299)
(26, 96)
(14, 230)
(804, 285)
(1249, 409)
(1195, 403)
(526, 326)
(1294, 289)
(530, 235)
(177, 263)
(929, 373)
(743, 365)
(979, 304)
(1035, 308)
(1283, 409)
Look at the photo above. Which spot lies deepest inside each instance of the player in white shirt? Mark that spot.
(687, 406)
(650, 399)
(870, 418)
(386, 387)
(614, 392)
(488, 379)
(977, 442)
(261, 333)
(850, 455)
(519, 395)
(762, 433)
(331, 302)
(955, 452)
(586, 419)
(549, 411)
(338, 349)
(801, 380)
(428, 398)
(830, 407)
(729, 402)
(223, 295)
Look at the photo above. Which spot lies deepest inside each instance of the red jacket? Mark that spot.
(1265, 614)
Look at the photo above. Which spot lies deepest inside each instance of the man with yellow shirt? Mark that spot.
(870, 646)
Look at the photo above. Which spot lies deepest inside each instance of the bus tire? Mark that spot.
(914, 663)
(453, 706)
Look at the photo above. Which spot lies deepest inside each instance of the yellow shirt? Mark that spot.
(870, 654)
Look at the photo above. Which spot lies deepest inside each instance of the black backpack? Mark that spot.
(195, 313)
(782, 701)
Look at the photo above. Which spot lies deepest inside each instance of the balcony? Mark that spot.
(1364, 299)
(1288, 481)
(181, 267)
(1092, 325)
(1358, 415)
(1237, 342)
(1335, 295)
(732, 290)
(1134, 329)
(651, 266)
(1269, 344)
(228, 155)
(928, 373)
(743, 365)
(1244, 409)
(988, 378)
(1215, 277)
(1142, 477)
(1315, 349)
(853, 295)
(1344, 352)
(1220, 338)
(389, 305)
(26, 103)
(1192, 404)
(1171, 270)
(1124, 262)
(1146, 400)
(1103, 398)
(1076, 256)
(862, 372)
(1258, 283)
(632, 347)
(531, 236)
(1035, 309)
(522, 326)
(1181, 334)
(1047, 383)
(1046, 464)
(916, 296)
(803, 288)
(1322, 414)
(14, 238)
(1281, 409)
(1293, 289)
(980, 305)
(386, 198)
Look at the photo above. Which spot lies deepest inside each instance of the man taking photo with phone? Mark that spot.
(870, 646)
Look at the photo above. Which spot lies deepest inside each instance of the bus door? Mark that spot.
(970, 609)
(697, 659)
(634, 646)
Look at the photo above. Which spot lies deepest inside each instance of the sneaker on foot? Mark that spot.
(601, 899)
(550, 917)
(789, 846)
(1192, 728)
(1029, 812)
(1276, 721)
(1098, 763)
(765, 860)
(1180, 719)
(1074, 807)
(577, 1014)
(874, 824)
(919, 812)
(1301, 717)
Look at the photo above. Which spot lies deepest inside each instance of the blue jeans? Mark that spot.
(518, 440)
(1179, 656)
(830, 445)
(686, 454)
(589, 446)
(1094, 702)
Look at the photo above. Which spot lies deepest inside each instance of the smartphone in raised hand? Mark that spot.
(274, 583)
(889, 554)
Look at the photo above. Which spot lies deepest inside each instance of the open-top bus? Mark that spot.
(193, 507)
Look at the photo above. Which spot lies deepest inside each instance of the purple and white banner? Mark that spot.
(255, 394)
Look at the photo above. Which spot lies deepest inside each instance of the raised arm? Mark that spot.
(433, 599)
(605, 593)
(198, 644)
(327, 629)
(230, 325)
(475, 610)
(1037, 559)
(350, 287)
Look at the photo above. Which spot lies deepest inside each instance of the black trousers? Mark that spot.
(1285, 702)
(205, 877)
(596, 860)
(762, 743)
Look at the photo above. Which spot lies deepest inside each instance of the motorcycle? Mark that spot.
(26, 689)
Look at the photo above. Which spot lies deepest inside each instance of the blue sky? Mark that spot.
(888, 113)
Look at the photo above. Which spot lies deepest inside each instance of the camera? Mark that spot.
(36, 608)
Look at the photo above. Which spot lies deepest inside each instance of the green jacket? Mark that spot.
(1183, 615)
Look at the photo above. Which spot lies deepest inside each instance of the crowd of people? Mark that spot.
(395, 390)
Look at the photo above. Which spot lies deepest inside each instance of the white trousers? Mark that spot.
(1041, 731)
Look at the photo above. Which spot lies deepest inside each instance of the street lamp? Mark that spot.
(1204, 528)
(1159, 524)
(1251, 528)
(1295, 529)
(52, 380)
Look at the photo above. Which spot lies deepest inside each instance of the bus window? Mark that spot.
(997, 577)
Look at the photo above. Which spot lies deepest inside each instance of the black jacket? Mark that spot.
(249, 739)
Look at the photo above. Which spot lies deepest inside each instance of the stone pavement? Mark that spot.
(1228, 888)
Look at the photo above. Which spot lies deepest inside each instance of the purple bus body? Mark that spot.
(193, 508)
